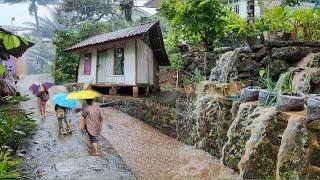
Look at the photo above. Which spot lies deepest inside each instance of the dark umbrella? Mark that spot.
(16, 52)
(36, 88)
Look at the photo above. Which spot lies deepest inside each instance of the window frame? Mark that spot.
(87, 63)
(115, 72)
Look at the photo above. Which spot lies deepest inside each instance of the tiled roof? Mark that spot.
(115, 35)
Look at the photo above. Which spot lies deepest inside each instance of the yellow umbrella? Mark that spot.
(85, 94)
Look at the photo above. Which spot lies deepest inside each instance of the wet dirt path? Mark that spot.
(153, 155)
(49, 156)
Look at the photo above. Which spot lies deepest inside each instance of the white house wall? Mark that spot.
(151, 66)
(87, 79)
(110, 62)
(130, 63)
(243, 8)
(142, 63)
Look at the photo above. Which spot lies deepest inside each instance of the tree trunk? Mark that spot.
(250, 13)
(36, 18)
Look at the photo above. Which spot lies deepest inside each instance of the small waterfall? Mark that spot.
(292, 148)
(257, 130)
(225, 64)
(240, 121)
(301, 75)
(307, 61)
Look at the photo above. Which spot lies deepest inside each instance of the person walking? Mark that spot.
(43, 97)
(92, 120)
(61, 115)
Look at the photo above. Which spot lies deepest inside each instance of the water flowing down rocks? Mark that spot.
(292, 158)
(224, 66)
(259, 132)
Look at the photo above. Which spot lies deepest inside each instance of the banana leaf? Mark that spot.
(11, 44)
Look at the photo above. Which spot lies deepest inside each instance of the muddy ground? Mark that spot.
(50, 156)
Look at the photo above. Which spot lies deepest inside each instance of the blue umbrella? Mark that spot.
(61, 100)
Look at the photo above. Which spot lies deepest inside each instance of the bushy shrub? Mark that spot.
(307, 24)
(276, 19)
(196, 20)
(14, 126)
(8, 167)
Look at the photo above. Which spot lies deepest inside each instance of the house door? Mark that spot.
(101, 74)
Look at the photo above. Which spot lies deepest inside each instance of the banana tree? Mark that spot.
(11, 44)
(33, 8)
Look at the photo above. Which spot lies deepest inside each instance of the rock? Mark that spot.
(276, 66)
(314, 155)
(36, 142)
(314, 125)
(40, 173)
(183, 48)
(287, 103)
(249, 94)
(222, 50)
(291, 54)
(292, 43)
(20, 155)
(313, 172)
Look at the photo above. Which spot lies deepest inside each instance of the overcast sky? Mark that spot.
(21, 13)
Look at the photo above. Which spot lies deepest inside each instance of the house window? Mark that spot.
(119, 61)
(87, 64)
(236, 8)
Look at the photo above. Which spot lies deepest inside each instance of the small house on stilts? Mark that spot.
(124, 59)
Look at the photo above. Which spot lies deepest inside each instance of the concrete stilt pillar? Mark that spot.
(113, 91)
(147, 90)
(135, 91)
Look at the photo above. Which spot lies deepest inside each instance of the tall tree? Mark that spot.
(76, 12)
(126, 7)
(46, 27)
(250, 12)
(33, 8)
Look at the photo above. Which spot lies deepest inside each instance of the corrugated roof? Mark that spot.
(115, 35)
(152, 4)
(151, 30)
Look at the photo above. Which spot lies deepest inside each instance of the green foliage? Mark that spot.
(307, 24)
(76, 12)
(15, 99)
(2, 69)
(126, 7)
(236, 24)
(276, 19)
(265, 81)
(171, 44)
(287, 86)
(65, 64)
(8, 167)
(196, 20)
(165, 87)
(9, 41)
(195, 78)
(14, 125)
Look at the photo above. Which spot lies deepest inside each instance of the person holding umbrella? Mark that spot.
(41, 91)
(61, 107)
(91, 116)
